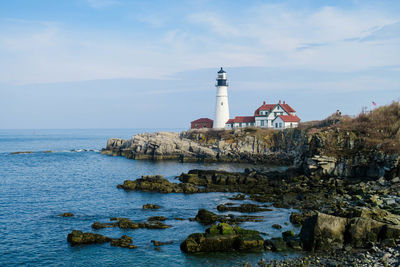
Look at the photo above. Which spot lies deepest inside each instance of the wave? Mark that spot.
(78, 150)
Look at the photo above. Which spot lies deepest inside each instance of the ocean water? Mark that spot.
(36, 187)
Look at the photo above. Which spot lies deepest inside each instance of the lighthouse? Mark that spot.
(221, 106)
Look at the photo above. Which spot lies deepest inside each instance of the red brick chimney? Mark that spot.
(284, 102)
(264, 103)
(279, 102)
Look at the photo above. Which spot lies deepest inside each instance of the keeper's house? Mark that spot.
(274, 116)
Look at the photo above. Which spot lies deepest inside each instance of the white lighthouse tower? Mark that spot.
(222, 106)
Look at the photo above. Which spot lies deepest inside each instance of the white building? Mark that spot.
(274, 116)
(221, 105)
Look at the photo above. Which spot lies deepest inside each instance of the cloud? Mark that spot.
(386, 32)
(213, 22)
(190, 38)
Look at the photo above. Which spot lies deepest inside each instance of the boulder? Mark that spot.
(66, 214)
(277, 226)
(223, 238)
(123, 242)
(206, 217)
(150, 206)
(276, 244)
(157, 183)
(363, 232)
(80, 238)
(323, 232)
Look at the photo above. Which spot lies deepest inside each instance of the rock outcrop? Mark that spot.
(223, 238)
(207, 217)
(331, 152)
(125, 223)
(239, 146)
(157, 183)
(80, 238)
(326, 232)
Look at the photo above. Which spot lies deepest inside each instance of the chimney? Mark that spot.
(279, 102)
(284, 102)
(264, 103)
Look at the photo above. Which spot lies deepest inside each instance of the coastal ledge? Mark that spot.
(239, 146)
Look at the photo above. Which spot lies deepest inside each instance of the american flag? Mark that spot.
(373, 103)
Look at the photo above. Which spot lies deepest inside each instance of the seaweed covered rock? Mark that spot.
(125, 223)
(79, 238)
(66, 214)
(123, 242)
(157, 183)
(243, 208)
(150, 207)
(160, 243)
(207, 217)
(156, 218)
(223, 237)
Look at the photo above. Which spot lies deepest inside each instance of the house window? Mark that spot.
(222, 103)
(280, 125)
(277, 108)
(240, 124)
(204, 125)
(275, 114)
(196, 125)
(291, 125)
(262, 123)
(276, 125)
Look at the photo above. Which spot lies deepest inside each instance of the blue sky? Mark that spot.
(135, 64)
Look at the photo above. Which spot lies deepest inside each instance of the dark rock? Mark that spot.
(223, 237)
(157, 218)
(79, 238)
(125, 223)
(123, 242)
(277, 226)
(151, 206)
(297, 218)
(275, 244)
(242, 208)
(238, 197)
(287, 234)
(159, 243)
(98, 225)
(157, 183)
(206, 217)
(66, 214)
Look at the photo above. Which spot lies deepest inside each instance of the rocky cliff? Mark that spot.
(365, 146)
(249, 145)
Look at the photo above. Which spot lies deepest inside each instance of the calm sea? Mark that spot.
(75, 177)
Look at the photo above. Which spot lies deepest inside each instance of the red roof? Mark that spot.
(287, 108)
(270, 107)
(202, 120)
(289, 118)
(242, 119)
(264, 107)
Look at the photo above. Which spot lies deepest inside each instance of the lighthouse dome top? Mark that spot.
(221, 71)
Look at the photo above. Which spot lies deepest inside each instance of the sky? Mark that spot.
(152, 64)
